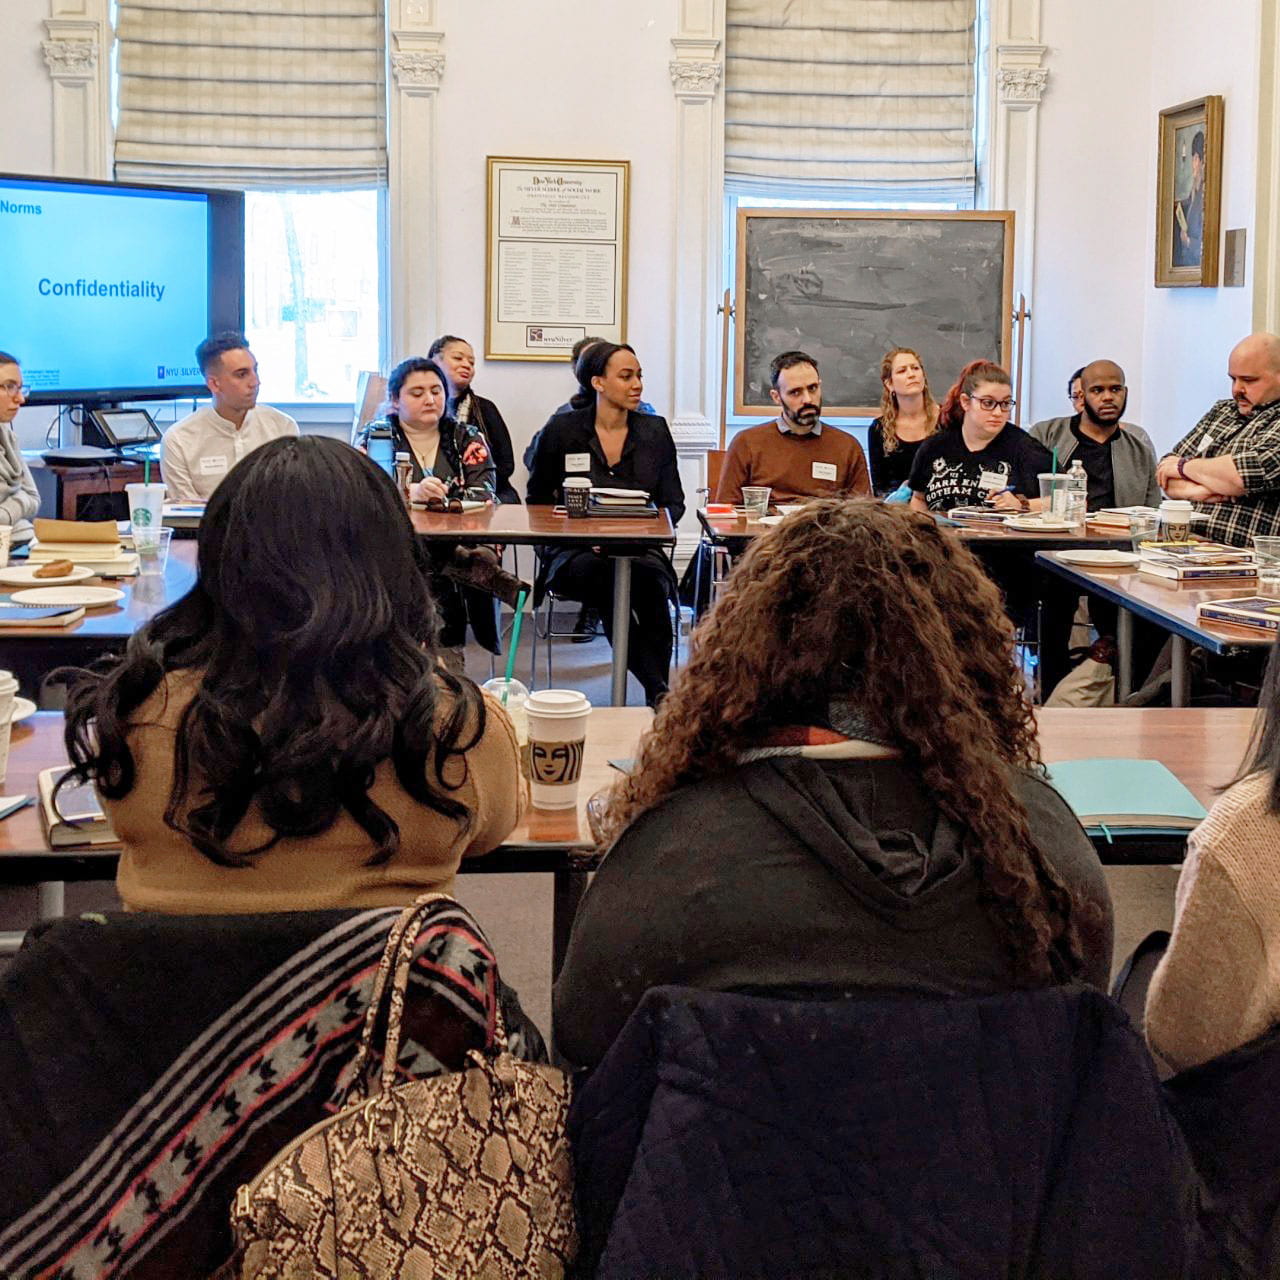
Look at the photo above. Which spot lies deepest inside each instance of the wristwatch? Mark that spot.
(1182, 469)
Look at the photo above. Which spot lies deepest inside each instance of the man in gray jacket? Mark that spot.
(1120, 461)
(1118, 457)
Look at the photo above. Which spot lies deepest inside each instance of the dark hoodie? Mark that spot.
(804, 876)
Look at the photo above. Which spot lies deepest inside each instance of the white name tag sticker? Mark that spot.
(576, 462)
(824, 471)
(1206, 444)
(991, 480)
(213, 466)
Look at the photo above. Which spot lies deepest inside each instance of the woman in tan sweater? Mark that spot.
(1218, 986)
(282, 738)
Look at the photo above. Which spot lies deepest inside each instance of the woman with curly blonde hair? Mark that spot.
(908, 415)
(842, 792)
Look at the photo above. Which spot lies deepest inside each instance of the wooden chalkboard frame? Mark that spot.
(743, 303)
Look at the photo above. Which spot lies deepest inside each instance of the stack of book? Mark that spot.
(1259, 614)
(612, 503)
(978, 515)
(1119, 517)
(93, 543)
(74, 816)
(1195, 561)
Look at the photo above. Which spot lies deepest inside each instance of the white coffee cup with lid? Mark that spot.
(1175, 519)
(557, 742)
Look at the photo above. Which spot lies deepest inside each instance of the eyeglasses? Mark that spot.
(15, 389)
(989, 405)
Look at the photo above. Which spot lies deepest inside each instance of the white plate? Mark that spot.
(22, 708)
(87, 596)
(789, 508)
(1035, 524)
(23, 575)
(1111, 559)
(768, 519)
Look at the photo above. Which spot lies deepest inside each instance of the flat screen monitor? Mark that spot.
(108, 287)
(119, 428)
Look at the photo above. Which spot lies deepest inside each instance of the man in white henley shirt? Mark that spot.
(198, 451)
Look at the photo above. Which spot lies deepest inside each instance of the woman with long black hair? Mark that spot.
(284, 736)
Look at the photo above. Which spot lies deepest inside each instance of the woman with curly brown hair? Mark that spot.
(841, 793)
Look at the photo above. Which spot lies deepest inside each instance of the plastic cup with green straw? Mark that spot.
(515, 644)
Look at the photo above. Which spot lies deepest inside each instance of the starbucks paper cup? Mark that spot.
(557, 740)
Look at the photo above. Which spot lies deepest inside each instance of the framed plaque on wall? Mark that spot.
(556, 259)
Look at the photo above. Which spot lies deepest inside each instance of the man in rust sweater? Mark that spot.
(795, 455)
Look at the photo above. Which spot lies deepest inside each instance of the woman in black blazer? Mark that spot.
(607, 440)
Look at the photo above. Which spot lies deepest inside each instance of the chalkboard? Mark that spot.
(848, 286)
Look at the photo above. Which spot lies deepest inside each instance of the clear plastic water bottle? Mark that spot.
(1077, 494)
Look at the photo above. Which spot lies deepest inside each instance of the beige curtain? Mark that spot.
(247, 93)
(873, 95)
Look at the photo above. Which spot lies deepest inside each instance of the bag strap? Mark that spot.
(408, 921)
(391, 987)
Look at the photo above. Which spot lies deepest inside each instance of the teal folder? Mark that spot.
(1128, 797)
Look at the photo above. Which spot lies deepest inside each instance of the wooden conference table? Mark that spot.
(32, 652)
(1203, 747)
(736, 534)
(1170, 605)
(622, 539)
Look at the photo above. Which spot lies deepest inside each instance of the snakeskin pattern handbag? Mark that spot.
(463, 1175)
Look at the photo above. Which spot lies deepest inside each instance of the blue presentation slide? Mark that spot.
(102, 287)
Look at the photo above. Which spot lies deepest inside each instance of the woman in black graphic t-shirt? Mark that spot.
(986, 459)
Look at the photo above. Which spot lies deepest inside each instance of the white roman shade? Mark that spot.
(252, 93)
(851, 96)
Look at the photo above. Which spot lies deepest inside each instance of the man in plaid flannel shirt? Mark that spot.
(1228, 464)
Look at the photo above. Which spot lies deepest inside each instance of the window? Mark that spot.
(311, 292)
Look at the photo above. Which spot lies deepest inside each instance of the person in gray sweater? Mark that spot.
(19, 499)
(1118, 457)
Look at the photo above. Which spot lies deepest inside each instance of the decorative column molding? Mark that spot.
(417, 70)
(415, 65)
(696, 68)
(1020, 85)
(1018, 79)
(75, 53)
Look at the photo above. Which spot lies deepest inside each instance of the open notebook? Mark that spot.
(1126, 797)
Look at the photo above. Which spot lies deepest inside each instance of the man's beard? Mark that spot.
(1102, 422)
(808, 422)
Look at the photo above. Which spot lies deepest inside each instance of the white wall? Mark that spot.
(1189, 332)
(1113, 68)
(26, 92)
(1092, 272)
(26, 142)
(565, 80)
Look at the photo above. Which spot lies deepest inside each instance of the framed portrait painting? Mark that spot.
(1188, 194)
